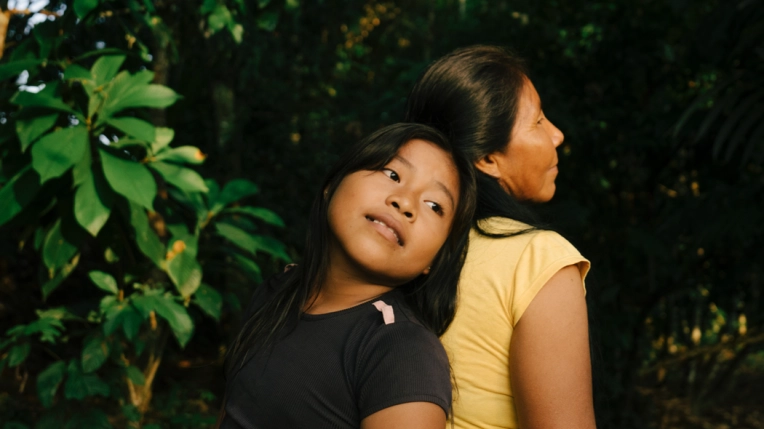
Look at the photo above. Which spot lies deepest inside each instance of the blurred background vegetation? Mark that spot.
(158, 157)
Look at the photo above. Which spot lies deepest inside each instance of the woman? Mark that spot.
(519, 346)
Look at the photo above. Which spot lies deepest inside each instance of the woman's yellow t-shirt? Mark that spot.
(500, 278)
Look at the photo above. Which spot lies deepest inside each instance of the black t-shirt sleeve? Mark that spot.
(402, 362)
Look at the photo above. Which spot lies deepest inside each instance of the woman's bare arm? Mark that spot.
(550, 366)
(411, 415)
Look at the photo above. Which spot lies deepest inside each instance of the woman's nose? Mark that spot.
(557, 136)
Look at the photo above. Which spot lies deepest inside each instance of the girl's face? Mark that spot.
(527, 167)
(387, 226)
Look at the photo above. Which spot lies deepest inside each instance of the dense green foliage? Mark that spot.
(111, 241)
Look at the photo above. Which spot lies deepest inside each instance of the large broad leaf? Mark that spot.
(252, 243)
(145, 237)
(83, 7)
(180, 177)
(265, 215)
(121, 314)
(80, 385)
(176, 315)
(75, 72)
(94, 353)
(249, 267)
(58, 151)
(105, 68)
(31, 129)
(182, 266)
(45, 98)
(104, 281)
(17, 193)
(13, 68)
(48, 382)
(135, 127)
(209, 300)
(131, 179)
(233, 191)
(157, 96)
(57, 250)
(182, 154)
(92, 202)
(163, 137)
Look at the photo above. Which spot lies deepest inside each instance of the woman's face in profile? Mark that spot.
(527, 167)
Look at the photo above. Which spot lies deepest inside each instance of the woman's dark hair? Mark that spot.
(432, 297)
(472, 96)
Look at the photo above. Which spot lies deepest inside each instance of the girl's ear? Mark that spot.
(489, 165)
(426, 271)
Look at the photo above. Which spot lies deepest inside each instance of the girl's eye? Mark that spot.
(391, 174)
(435, 207)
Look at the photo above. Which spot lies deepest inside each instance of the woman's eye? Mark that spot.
(435, 207)
(391, 174)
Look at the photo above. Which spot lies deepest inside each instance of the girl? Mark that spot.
(349, 338)
(519, 343)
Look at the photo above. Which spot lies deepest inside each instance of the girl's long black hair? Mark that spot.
(472, 96)
(431, 297)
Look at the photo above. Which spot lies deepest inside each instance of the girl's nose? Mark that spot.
(403, 205)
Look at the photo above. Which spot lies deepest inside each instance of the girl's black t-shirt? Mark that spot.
(333, 370)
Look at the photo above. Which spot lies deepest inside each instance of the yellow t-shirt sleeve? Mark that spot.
(545, 254)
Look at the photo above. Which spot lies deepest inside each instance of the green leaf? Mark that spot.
(268, 20)
(176, 315)
(79, 385)
(135, 127)
(131, 179)
(94, 353)
(219, 19)
(104, 281)
(252, 243)
(262, 3)
(84, 7)
(157, 96)
(182, 154)
(237, 32)
(163, 137)
(13, 68)
(92, 202)
(145, 237)
(135, 375)
(123, 315)
(180, 177)
(31, 129)
(57, 250)
(249, 267)
(208, 6)
(234, 190)
(48, 382)
(209, 300)
(58, 151)
(59, 276)
(182, 266)
(91, 418)
(75, 72)
(45, 98)
(17, 193)
(18, 354)
(106, 67)
(265, 215)
(131, 412)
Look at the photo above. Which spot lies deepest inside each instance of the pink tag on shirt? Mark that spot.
(387, 311)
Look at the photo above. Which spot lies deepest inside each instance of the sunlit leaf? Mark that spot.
(157, 96)
(58, 151)
(182, 266)
(31, 129)
(182, 154)
(106, 67)
(104, 281)
(163, 137)
(75, 72)
(92, 202)
(180, 177)
(131, 179)
(135, 127)
(234, 190)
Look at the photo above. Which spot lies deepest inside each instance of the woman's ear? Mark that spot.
(489, 165)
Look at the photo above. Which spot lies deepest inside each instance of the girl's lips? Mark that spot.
(387, 227)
